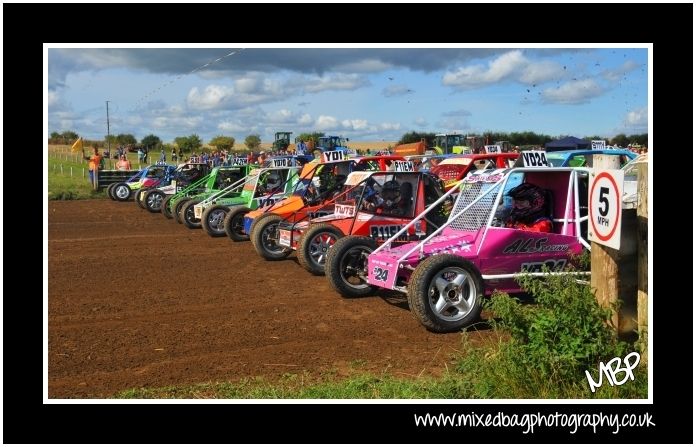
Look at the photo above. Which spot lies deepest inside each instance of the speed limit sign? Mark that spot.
(606, 192)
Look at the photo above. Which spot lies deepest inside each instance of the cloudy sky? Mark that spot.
(364, 93)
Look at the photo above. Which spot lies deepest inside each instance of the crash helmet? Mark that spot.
(391, 190)
(273, 181)
(537, 202)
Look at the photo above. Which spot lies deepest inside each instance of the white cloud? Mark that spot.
(637, 119)
(538, 72)
(212, 97)
(230, 126)
(420, 122)
(396, 90)
(305, 120)
(335, 82)
(512, 65)
(617, 73)
(53, 98)
(176, 124)
(390, 126)
(354, 124)
(246, 85)
(282, 116)
(573, 92)
(326, 122)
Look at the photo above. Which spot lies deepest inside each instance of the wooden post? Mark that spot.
(642, 235)
(83, 172)
(605, 266)
(70, 171)
(61, 168)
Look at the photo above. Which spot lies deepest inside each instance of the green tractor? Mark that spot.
(282, 141)
(450, 144)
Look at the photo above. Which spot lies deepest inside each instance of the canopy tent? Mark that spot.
(567, 143)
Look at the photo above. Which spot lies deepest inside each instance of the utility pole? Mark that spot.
(108, 132)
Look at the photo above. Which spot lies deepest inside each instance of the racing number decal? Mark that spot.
(386, 231)
(332, 156)
(380, 274)
(534, 158)
(603, 201)
(403, 166)
(265, 201)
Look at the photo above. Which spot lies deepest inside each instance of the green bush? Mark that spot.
(547, 346)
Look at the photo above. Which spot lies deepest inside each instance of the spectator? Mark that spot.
(262, 158)
(301, 148)
(95, 161)
(173, 155)
(181, 154)
(140, 155)
(123, 164)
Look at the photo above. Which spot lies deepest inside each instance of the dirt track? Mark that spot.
(137, 300)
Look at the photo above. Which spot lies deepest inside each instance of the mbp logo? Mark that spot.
(612, 368)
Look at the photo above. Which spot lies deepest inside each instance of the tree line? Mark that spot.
(188, 144)
(528, 138)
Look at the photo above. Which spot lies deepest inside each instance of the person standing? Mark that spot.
(94, 163)
(173, 156)
(123, 164)
(301, 148)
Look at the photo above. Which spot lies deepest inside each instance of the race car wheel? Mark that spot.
(139, 195)
(314, 246)
(445, 293)
(213, 220)
(166, 209)
(346, 266)
(178, 206)
(234, 224)
(265, 238)
(154, 201)
(187, 215)
(110, 192)
(121, 192)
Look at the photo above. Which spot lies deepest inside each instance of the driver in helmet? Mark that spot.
(389, 200)
(273, 182)
(528, 209)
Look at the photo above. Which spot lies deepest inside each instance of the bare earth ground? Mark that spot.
(135, 300)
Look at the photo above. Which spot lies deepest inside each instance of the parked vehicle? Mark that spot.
(374, 205)
(453, 169)
(319, 183)
(446, 275)
(262, 187)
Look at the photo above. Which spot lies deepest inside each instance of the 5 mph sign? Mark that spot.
(606, 192)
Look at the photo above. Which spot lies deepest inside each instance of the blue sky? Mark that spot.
(362, 93)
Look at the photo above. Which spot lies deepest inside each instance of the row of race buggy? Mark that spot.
(373, 222)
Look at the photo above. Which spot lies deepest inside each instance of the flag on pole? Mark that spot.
(77, 146)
